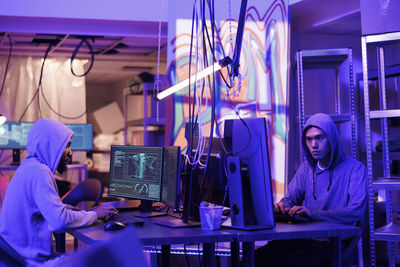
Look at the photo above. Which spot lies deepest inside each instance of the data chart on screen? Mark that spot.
(136, 172)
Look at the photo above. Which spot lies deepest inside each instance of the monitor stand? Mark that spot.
(174, 222)
(146, 210)
(16, 157)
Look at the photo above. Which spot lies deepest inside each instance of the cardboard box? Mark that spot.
(135, 107)
(108, 119)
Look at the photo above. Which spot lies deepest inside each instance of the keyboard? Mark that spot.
(290, 218)
(126, 218)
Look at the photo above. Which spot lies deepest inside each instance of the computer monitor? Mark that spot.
(171, 177)
(82, 140)
(136, 173)
(13, 135)
(249, 174)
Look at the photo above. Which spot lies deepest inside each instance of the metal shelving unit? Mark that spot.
(390, 232)
(148, 123)
(341, 62)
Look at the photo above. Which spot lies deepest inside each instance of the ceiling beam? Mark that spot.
(112, 46)
(59, 44)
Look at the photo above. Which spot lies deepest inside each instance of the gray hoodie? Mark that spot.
(336, 194)
(32, 208)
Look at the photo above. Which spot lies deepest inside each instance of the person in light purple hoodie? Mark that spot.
(32, 208)
(328, 186)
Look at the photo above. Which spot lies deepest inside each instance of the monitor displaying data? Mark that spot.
(82, 140)
(136, 172)
(13, 135)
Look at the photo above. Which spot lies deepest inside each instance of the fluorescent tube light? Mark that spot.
(185, 83)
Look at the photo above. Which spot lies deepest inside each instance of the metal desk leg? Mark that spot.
(165, 255)
(336, 248)
(60, 242)
(235, 257)
(248, 254)
(209, 255)
(76, 243)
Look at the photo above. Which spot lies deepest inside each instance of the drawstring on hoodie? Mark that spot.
(315, 182)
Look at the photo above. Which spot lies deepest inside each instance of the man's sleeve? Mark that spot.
(296, 189)
(57, 214)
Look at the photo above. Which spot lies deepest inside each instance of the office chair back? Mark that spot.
(8, 256)
(87, 190)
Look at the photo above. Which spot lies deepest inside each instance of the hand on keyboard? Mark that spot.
(104, 211)
(290, 218)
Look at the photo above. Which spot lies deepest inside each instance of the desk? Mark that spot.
(151, 234)
(333, 231)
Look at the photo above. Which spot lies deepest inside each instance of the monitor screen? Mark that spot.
(249, 176)
(82, 140)
(171, 177)
(136, 172)
(13, 135)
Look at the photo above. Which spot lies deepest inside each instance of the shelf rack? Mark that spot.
(390, 232)
(341, 61)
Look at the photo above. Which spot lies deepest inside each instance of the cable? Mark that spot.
(40, 82)
(8, 62)
(84, 40)
(57, 113)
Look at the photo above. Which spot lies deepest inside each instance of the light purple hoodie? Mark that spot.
(32, 208)
(337, 194)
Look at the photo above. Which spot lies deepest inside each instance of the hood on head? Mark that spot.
(47, 140)
(326, 124)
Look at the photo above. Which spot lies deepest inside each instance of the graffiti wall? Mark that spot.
(261, 88)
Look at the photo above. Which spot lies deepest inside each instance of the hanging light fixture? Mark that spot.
(185, 83)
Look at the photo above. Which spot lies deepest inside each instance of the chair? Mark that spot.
(87, 190)
(8, 256)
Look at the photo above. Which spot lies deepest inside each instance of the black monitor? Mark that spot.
(136, 173)
(249, 174)
(171, 177)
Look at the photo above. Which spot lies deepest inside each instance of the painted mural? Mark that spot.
(260, 90)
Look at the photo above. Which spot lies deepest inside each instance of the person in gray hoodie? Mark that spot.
(328, 186)
(32, 208)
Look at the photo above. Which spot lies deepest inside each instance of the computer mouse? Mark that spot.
(114, 225)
